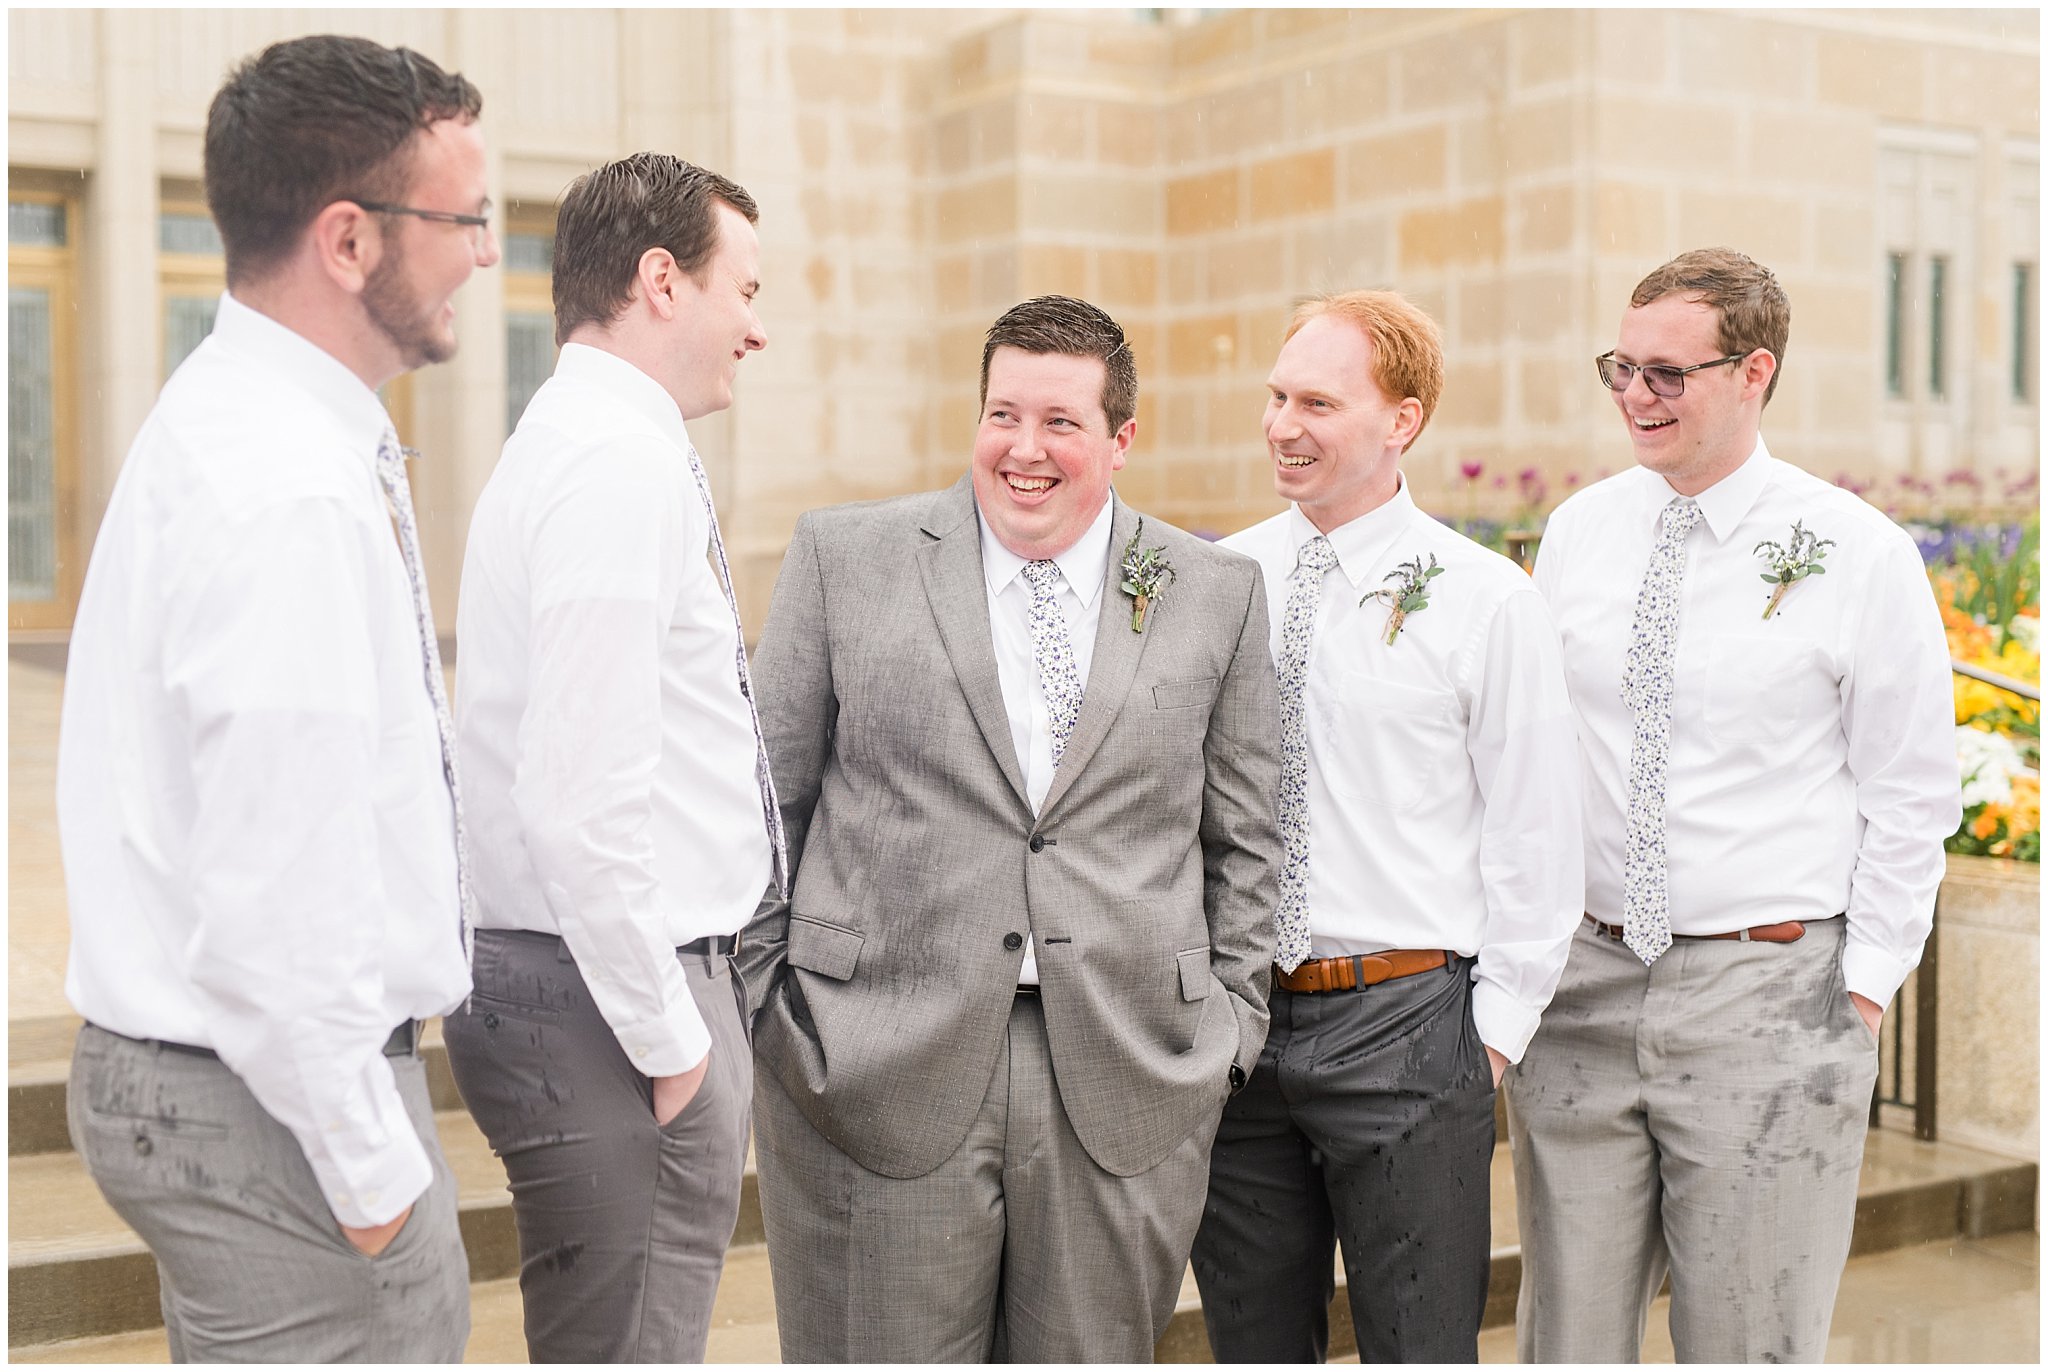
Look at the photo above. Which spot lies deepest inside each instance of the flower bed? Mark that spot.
(1988, 582)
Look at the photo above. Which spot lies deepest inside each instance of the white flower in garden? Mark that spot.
(2025, 630)
(1988, 762)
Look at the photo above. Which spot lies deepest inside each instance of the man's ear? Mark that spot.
(1407, 423)
(659, 281)
(1757, 370)
(349, 242)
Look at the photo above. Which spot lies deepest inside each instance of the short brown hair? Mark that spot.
(612, 216)
(1073, 328)
(310, 121)
(1753, 310)
(1407, 345)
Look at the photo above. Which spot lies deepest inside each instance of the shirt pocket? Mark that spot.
(1763, 689)
(1384, 738)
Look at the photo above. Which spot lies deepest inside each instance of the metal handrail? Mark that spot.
(2003, 682)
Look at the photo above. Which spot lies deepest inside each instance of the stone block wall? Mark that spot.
(919, 171)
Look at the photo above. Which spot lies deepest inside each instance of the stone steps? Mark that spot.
(82, 1288)
(76, 1276)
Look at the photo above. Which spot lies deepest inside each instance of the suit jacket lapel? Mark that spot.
(1114, 666)
(950, 564)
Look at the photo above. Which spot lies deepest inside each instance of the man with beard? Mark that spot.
(620, 803)
(256, 788)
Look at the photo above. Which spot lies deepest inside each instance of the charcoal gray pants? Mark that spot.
(1368, 1123)
(251, 1264)
(623, 1223)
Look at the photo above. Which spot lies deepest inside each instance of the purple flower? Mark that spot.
(1471, 470)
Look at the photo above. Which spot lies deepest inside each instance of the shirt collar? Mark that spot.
(1726, 503)
(266, 342)
(623, 381)
(1360, 544)
(1084, 564)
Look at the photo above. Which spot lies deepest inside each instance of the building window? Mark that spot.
(529, 316)
(41, 476)
(191, 273)
(34, 224)
(2023, 332)
(1895, 327)
(31, 447)
(185, 231)
(530, 252)
(1937, 310)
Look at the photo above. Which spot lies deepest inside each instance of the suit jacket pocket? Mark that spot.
(830, 950)
(1194, 973)
(1184, 695)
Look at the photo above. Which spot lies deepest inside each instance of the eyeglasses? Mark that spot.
(481, 223)
(1668, 382)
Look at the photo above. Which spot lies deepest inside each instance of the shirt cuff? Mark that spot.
(1504, 1024)
(370, 1172)
(673, 1043)
(1873, 973)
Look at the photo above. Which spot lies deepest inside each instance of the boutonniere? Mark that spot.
(1409, 597)
(1146, 575)
(1796, 559)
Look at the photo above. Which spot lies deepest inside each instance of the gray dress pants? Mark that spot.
(1705, 1116)
(251, 1263)
(623, 1223)
(1017, 1248)
(1368, 1123)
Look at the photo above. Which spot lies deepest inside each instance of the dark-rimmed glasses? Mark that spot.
(1668, 382)
(479, 222)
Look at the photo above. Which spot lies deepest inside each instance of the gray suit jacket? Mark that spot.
(885, 984)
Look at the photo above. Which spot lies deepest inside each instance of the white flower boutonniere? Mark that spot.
(1798, 558)
(1146, 575)
(1409, 596)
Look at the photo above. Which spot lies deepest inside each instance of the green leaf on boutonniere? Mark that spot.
(1146, 573)
(1792, 561)
(1409, 596)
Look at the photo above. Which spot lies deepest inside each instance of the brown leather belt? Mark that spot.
(1356, 973)
(1791, 931)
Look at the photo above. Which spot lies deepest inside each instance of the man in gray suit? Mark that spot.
(1026, 743)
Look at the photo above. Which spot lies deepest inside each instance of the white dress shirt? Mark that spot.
(1082, 569)
(607, 753)
(259, 844)
(1813, 766)
(1442, 797)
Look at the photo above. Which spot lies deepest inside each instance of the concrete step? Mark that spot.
(74, 1269)
(39, 1070)
(76, 1272)
(742, 1325)
(1946, 1300)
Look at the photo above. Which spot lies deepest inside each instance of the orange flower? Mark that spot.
(1985, 825)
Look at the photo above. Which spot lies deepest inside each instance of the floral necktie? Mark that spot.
(1054, 651)
(1297, 634)
(391, 472)
(771, 811)
(1646, 686)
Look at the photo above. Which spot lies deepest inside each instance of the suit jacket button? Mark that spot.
(1038, 843)
(1013, 941)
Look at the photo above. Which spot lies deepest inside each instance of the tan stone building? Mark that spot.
(1193, 172)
